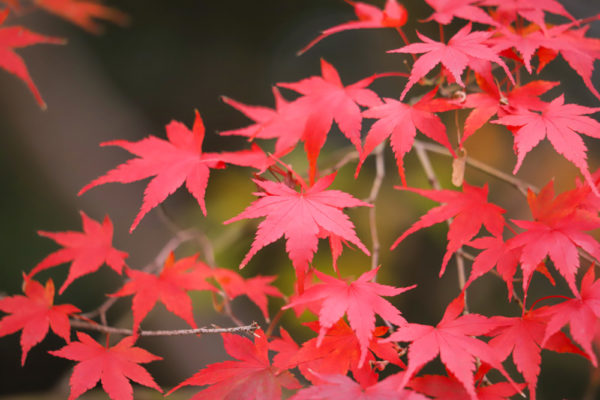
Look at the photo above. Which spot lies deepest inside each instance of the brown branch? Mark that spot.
(176, 332)
(460, 263)
(519, 184)
(377, 181)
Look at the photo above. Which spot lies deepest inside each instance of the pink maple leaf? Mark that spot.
(558, 122)
(556, 232)
(86, 250)
(464, 49)
(326, 99)
(522, 336)
(453, 340)
(170, 287)
(394, 15)
(581, 313)
(302, 217)
(470, 210)
(174, 162)
(360, 300)
(285, 122)
(400, 122)
(112, 366)
(341, 387)
(256, 288)
(446, 10)
(250, 377)
(531, 10)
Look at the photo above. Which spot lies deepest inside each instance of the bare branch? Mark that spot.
(176, 332)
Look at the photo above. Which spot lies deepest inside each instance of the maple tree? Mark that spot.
(486, 71)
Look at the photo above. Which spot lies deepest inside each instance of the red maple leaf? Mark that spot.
(326, 99)
(558, 122)
(256, 288)
(286, 122)
(470, 211)
(400, 122)
(579, 51)
(531, 10)
(302, 217)
(173, 162)
(113, 366)
(338, 352)
(86, 250)
(16, 37)
(446, 10)
(170, 287)
(34, 313)
(449, 388)
(492, 101)
(453, 339)
(522, 336)
(360, 300)
(394, 15)
(556, 232)
(464, 49)
(581, 313)
(83, 12)
(250, 377)
(496, 252)
(341, 387)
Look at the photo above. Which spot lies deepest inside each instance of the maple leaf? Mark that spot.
(556, 232)
(337, 353)
(285, 122)
(449, 388)
(496, 252)
(83, 12)
(250, 377)
(34, 313)
(326, 99)
(453, 339)
(113, 366)
(522, 336)
(579, 51)
(464, 49)
(400, 122)
(360, 300)
(15, 37)
(170, 287)
(256, 288)
(173, 162)
(86, 250)
(581, 313)
(446, 10)
(393, 15)
(470, 211)
(558, 122)
(341, 387)
(301, 217)
(492, 101)
(531, 10)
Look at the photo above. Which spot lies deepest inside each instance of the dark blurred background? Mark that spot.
(177, 57)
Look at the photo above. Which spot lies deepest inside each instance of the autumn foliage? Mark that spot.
(488, 71)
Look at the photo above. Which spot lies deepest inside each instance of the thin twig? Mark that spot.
(203, 240)
(428, 168)
(158, 261)
(176, 332)
(377, 181)
(520, 184)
